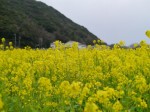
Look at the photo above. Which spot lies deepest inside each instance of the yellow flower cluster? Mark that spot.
(44, 84)
(1, 103)
(60, 79)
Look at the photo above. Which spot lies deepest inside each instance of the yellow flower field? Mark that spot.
(96, 79)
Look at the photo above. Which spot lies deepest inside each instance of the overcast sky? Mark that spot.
(110, 20)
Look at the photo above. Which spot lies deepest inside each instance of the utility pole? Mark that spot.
(15, 40)
(19, 40)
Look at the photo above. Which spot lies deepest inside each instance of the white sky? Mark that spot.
(110, 20)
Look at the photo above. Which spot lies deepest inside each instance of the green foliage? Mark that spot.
(32, 20)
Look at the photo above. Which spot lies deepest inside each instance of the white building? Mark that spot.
(52, 45)
(69, 44)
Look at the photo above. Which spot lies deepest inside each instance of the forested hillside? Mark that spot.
(36, 24)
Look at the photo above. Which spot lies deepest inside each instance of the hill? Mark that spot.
(37, 24)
